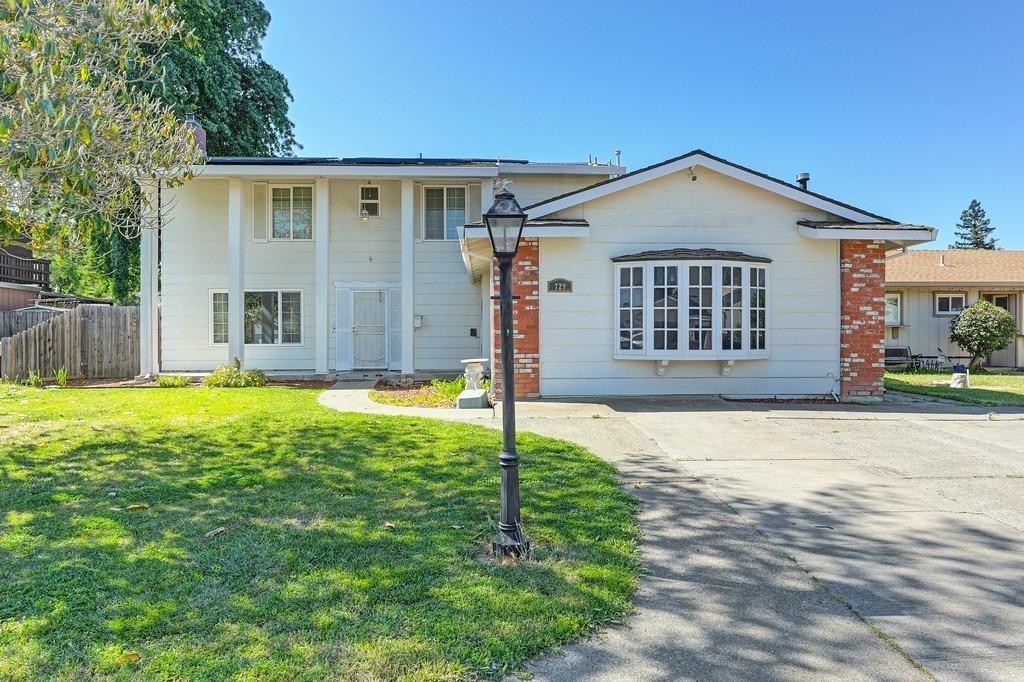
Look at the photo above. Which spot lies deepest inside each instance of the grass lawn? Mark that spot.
(996, 390)
(205, 534)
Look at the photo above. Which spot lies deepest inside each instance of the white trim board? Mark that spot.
(701, 159)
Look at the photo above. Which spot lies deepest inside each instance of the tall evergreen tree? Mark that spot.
(974, 231)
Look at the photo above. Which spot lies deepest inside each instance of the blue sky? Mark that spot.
(907, 109)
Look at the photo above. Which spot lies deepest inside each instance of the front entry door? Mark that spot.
(1008, 356)
(369, 329)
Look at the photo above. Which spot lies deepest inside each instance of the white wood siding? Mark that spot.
(715, 212)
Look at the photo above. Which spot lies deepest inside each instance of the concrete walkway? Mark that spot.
(720, 599)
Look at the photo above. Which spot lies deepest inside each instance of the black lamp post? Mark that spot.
(505, 220)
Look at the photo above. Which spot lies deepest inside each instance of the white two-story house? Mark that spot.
(694, 275)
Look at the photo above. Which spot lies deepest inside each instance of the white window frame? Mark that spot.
(423, 211)
(949, 295)
(898, 295)
(291, 213)
(365, 202)
(683, 352)
(280, 317)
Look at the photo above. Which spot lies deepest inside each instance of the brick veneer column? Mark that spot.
(525, 321)
(862, 318)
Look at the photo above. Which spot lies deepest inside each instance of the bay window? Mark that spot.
(691, 309)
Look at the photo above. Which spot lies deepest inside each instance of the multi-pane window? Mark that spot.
(732, 308)
(631, 308)
(666, 307)
(950, 304)
(291, 212)
(271, 317)
(369, 201)
(444, 210)
(700, 302)
(691, 309)
(758, 309)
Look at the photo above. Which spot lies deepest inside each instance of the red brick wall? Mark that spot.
(862, 321)
(525, 321)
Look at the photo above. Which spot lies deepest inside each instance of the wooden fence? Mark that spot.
(15, 321)
(90, 341)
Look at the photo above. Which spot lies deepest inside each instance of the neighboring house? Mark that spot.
(925, 289)
(695, 275)
(22, 277)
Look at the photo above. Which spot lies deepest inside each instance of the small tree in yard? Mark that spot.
(982, 329)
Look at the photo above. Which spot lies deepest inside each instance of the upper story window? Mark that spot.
(893, 310)
(691, 309)
(291, 212)
(950, 304)
(369, 202)
(444, 210)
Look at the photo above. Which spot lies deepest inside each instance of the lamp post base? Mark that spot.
(513, 544)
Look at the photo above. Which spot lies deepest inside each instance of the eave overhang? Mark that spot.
(894, 234)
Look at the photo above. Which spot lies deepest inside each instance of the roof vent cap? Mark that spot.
(802, 179)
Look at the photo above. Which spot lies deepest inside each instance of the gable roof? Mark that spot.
(699, 157)
(956, 267)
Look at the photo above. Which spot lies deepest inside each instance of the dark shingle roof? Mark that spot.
(691, 254)
(851, 225)
(542, 222)
(353, 161)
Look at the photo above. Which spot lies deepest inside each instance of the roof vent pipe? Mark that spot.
(618, 157)
(802, 179)
(942, 259)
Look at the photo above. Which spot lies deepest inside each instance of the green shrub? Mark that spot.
(61, 375)
(172, 381)
(981, 329)
(227, 376)
(34, 379)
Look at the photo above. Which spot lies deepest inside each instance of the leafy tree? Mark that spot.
(79, 124)
(974, 230)
(982, 329)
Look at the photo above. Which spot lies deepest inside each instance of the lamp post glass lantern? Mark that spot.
(504, 221)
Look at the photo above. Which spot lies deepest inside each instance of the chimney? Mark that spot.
(802, 179)
(193, 123)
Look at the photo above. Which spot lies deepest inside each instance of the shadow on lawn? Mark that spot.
(333, 545)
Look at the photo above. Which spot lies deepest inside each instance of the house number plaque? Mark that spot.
(560, 286)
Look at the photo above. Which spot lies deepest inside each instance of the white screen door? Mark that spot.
(369, 329)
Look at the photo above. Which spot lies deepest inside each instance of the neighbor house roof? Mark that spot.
(955, 267)
(699, 157)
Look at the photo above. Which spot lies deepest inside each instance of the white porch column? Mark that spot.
(487, 345)
(236, 274)
(149, 293)
(321, 246)
(408, 277)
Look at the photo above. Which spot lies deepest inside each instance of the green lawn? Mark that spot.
(253, 534)
(996, 390)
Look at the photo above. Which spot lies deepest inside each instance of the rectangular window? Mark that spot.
(219, 310)
(758, 309)
(701, 313)
(732, 308)
(631, 308)
(949, 304)
(369, 201)
(665, 309)
(893, 310)
(291, 213)
(271, 317)
(444, 210)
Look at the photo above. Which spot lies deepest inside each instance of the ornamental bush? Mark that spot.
(982, 329)
(228, 376)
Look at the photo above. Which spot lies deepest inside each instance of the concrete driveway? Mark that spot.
(787, 541)
(907, 517)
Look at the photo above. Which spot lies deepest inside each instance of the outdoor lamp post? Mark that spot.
(505, 220)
